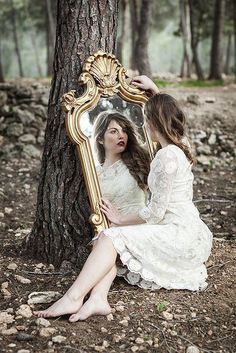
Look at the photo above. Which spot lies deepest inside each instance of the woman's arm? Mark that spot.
(116, 218)
(145, 83)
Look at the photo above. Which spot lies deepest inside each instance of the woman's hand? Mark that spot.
(111, 212)
(145, 83)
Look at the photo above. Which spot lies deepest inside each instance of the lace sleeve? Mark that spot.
(162, 174)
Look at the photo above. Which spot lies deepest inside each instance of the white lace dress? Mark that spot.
(170, 249)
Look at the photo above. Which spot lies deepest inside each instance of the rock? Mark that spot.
(25, 311)
(124, 322)
(204, 160)
(43, 297)
(110, 317)
(139, 340)
(212, 139)
(9, 331)
(24, 337)
(14, 129)
(3, 98)
(30, 151)
(5, 293)
(27, 138)
(167, 316)
(204, 149)
(193, 99)
(119, 308)
(103, 330)
(22, 279)
(58, 339)
(134, 348)
(4, 285)
(42, 322)
(192, 349)
(47, 331)
(23, 351)
(6, 318)
(25, 116)
(210, 99)
(8, 210)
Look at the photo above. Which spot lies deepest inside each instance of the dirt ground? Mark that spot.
(141, 321)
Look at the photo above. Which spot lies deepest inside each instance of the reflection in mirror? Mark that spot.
(115, 131)
(131, 111)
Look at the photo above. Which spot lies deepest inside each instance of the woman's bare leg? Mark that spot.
(97, 303)
(99, 263)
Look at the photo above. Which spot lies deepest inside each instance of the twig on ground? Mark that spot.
(47, 273)
(213, 200)
(219, 265)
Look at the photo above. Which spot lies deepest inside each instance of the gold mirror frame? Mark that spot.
(103, 76)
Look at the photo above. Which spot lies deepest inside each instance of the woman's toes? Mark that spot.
(75, 317)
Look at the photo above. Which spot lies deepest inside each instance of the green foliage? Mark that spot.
(161, 306)
(189, 83)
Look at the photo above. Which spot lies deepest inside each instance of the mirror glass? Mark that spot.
(130, 110)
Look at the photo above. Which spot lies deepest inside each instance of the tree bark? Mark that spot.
(217, 34)
(36, 52)
(16, 41)
(228, 52)
(234, 18)
(141, 47)
(186, 35)
(194, 41)
(61, 229)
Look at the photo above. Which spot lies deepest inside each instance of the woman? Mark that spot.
(170, 248)
(123, 171)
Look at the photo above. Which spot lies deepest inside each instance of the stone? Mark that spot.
(124, 322)
(103, 330)
(42, 322)
(210, 99)
(47, 331)
(25, 116)
(23, 351)
(25, 311)
(204, 149)
(193, 99)
(22, 279)
(6, 318)
(27, 138)
(139, 340)
(8, 210)
(212, 139)
(14, 129)
(9, 331)
(110, 317)
(134, 348)
(167, 315)
(119, 308)
(43, 297)
(3, 98)
(192, 349)
(30, 151)
(204, 160)
(58, 339)
(24, 337)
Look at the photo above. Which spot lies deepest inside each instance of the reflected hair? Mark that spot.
(135, 157)
(165, 115)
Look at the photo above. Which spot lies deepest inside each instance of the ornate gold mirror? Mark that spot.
(107, 88)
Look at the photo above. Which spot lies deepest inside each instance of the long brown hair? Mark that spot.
(165, 115)
(135, 157)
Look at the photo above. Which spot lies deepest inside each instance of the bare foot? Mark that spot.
(63, 306)
(93, 306)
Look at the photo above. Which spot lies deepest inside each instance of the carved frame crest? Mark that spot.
(102, 76)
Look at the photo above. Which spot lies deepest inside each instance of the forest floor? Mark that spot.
(141, 321)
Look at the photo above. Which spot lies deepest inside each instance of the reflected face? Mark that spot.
(115, 139)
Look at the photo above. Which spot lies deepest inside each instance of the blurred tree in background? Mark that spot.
(185, 37)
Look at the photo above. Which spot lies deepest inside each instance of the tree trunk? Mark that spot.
(228, 52)
(234, 18)
(133, 4)
(123, 26)
(50, 25)
(185, 29)
(36, 52)
(194, 41)
(141, 48)
(1, 68)
(61, 229)
(217, 34)
(15, 37)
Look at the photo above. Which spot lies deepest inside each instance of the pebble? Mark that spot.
(134, 348)
(23, 351)
(119, 308)
(22, 279)
(24, 337)
(167, 316)
(47, 331)
(42, 322)
(192, 349)
(8, 210)
(10, 331)
(103, 330)
(110, 317)
(6, 318)
(58, 339)
(43, 297)
(124, 323)
(25, 311)
(12, 266)
(139, 340)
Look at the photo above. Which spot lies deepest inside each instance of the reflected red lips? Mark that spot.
(121, 143)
